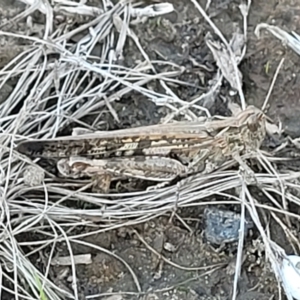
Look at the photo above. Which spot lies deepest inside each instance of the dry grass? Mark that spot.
(52, 93)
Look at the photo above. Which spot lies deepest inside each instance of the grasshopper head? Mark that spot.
(256, 128)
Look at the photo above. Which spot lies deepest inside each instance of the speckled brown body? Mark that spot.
(159, 152)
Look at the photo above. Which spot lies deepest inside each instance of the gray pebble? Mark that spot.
(222, 226)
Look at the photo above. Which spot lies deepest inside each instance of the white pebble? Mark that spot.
(291, 274)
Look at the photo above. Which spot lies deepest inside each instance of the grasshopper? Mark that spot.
(158, 153)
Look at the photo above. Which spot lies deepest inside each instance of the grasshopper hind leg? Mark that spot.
(101, 183)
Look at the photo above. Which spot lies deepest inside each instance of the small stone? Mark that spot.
(33, 176)
(222, 226)
(169, 247)
(290, 268)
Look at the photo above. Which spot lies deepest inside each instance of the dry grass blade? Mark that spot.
(223, 60)
(228, 48)
(290, 40)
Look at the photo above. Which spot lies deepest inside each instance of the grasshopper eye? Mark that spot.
(254, 122)
(252, 125)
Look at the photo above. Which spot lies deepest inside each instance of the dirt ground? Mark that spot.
(182, 266)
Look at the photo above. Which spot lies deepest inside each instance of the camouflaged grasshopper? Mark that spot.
(158, 153)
